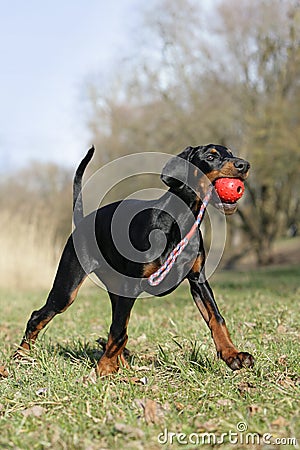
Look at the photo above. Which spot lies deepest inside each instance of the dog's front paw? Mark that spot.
(109, 366)
(106, 367)
(240, 360)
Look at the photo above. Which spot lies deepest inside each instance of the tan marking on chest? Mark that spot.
(149, 269)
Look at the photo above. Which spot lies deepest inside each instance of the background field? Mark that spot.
(176, 381)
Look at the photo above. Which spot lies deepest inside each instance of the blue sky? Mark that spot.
(48, 49)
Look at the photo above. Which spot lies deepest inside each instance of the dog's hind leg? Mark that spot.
(117, 339)
(69, 277)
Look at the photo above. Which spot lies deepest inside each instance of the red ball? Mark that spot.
(229, 189)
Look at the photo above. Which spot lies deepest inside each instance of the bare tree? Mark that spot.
(229, 75)
(264, 46)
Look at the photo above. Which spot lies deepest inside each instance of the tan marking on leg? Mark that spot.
(123, 361)
(222, 339)
(202, 309)
(30, 340)
(221, 336)
(149, 269)
(33, 335)
(73, 295)
(109, 362)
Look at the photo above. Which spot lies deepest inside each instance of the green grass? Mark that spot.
(188, 390)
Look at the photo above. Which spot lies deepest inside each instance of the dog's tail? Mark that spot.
(77, 187)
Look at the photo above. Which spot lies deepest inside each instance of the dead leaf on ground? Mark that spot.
(127, 429)
(210, 425)
(281, 329)
(179, 406)
(224, 402)
(143, 380)
(149, 357)
(282, 360)
(280, 422)
(135, 380)
(91, 378)
(287, 382)
(245, 387)
(141, 368)
(3, 372)
(254, 409)
(153, 411)
(35, 411)
(41, 391)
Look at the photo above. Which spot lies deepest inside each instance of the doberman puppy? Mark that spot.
(93, 248)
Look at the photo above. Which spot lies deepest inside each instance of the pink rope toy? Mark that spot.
(157, 277)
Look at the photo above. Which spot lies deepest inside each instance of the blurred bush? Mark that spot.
(36, 217)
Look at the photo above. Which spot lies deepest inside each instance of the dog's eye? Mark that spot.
(210, 158)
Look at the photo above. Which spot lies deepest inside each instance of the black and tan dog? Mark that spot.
(92, 248)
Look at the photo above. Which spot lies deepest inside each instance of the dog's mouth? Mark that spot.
(226, 208)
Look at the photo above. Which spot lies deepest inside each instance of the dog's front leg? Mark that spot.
(204, 299)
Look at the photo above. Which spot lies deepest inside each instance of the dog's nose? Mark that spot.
(241, 165)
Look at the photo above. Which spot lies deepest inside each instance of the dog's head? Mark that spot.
(195, 166)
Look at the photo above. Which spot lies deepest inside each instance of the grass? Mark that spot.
(176, 381)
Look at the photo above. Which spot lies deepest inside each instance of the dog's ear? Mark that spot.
(176, 171)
